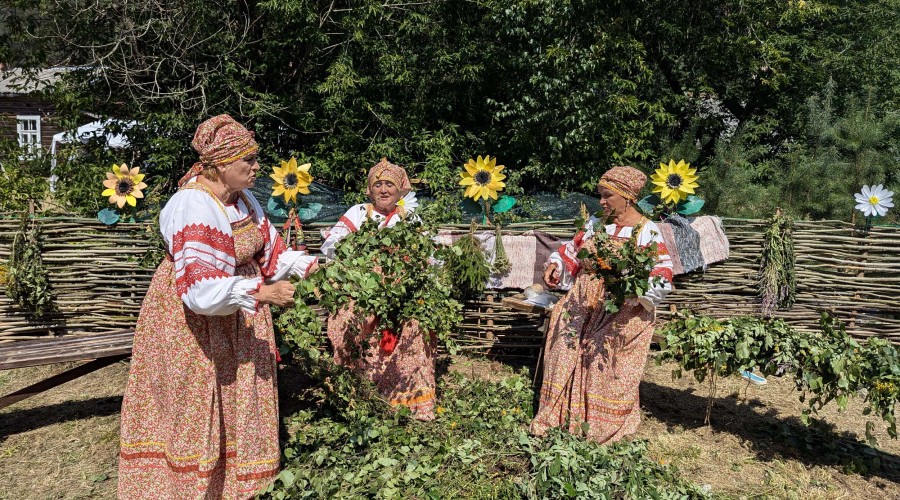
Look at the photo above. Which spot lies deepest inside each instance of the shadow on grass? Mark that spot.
(14, 421)
(769, 435)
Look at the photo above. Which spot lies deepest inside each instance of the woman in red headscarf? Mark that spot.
(200, 412)
(593, 360)
(401, 365)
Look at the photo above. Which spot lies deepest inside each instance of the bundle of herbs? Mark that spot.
(623, 265)
(465, 266)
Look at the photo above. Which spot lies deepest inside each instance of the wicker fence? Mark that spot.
(94, 271)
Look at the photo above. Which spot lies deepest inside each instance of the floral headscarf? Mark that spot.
(219, 141)
(627, 182)
(387, 171)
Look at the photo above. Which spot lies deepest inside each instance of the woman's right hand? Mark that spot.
(280, 293)
(551, 276)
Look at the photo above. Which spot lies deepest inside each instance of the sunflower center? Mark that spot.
(124, 187)
(290, 181)
(874, 200)
(482, 177)
(674, 181)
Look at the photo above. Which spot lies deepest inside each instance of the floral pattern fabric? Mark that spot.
(200, 412)
(403, 374)
(593, 363)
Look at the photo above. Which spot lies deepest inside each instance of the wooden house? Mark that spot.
(25, 116)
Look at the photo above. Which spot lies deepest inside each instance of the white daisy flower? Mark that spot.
(874, 200)
(409, 202)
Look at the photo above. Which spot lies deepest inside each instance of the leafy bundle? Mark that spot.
(466, 266)
(777, 277)
(624, 266)
(26, 278)
(387, 273)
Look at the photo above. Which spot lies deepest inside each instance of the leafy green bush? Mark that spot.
(829, 365)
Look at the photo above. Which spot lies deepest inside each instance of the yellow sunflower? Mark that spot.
(291, 179)
(123, 185)
(675, 181)
(482, 178)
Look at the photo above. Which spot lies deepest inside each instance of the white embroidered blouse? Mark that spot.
(196, 228)
(351, 221)
(567, 262)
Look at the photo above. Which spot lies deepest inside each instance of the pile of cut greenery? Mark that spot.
(350, 444)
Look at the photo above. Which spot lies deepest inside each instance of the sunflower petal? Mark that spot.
(108, 192)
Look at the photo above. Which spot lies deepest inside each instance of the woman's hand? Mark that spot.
(313, 268)
(280, 293)
(551, 276)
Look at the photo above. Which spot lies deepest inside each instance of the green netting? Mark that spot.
(543, 206)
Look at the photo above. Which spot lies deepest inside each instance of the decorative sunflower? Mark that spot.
(674, 182)
(483, 178)
(291, 179)
(124, 185)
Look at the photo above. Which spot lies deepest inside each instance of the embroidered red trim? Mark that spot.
(349, 224)
(195, 272)
(665, 272)
(204, 234)
(572, 266)
(309, 267)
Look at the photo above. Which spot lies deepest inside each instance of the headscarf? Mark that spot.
(627, 182)
(219, 141)
(387, 171)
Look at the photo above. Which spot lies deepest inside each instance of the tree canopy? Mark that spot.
(790, 103)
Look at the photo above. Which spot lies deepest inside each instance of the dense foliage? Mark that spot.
(387, 273)
(828, 365)
(347, 443)
(466, 266)
(624, 266)
(789, 103)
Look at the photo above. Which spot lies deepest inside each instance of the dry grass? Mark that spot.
(63, 443)
(756, 447)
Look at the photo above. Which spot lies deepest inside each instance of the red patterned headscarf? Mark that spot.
(387, 171)
(219, 141)
(627, 182)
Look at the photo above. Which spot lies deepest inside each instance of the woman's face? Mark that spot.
(385, 195)
(240, 174)
(613, 204)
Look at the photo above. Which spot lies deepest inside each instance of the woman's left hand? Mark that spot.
(280, 293)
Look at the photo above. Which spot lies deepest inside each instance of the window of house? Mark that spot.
(29, 130)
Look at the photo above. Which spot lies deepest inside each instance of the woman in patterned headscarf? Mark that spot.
(593, 360)
(401, 365)
(200, 412)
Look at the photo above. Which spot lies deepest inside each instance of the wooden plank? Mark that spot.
(518, 303)
(59, 379)
(59, 350)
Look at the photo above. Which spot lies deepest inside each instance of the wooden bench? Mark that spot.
(98, 349)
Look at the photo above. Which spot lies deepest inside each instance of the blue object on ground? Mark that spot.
(753, 378)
